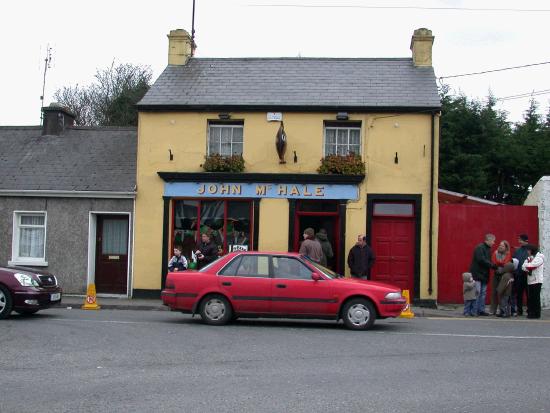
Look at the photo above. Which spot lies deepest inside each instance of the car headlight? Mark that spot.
(26, 280)
(393, 296)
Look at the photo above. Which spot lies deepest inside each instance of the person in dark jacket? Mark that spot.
(504, 288)
(206, 251)
(361, 259)
(520, 276)
(322, 237)
(480, 268)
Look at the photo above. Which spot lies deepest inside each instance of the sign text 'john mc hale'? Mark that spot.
(263, 190)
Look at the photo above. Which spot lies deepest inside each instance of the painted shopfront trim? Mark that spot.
(260, 190)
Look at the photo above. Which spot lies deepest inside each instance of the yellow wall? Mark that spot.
(185, 134)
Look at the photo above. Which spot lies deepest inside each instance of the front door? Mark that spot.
(111, 267)
(393, 242)
(323, 217)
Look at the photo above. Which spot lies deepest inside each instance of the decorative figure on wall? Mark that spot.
(280, 143)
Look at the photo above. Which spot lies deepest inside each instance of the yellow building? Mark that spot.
(284, 115)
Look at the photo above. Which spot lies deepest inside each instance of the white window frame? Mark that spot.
(15, 258)
(336, 129)
(232, 126)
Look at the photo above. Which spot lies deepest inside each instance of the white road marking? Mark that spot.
(465, 335)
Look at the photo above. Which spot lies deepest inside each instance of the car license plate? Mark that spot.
(55, 297)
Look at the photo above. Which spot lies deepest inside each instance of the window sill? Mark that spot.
(19, 263)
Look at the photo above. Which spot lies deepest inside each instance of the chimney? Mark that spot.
(421, 46)
(179, 47)
(56, 119)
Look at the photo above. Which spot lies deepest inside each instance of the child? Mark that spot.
(470, 294)
(178, 261)
(504, 288)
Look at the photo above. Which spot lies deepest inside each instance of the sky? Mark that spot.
(87, 36)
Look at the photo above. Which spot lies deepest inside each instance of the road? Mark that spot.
(141, 361)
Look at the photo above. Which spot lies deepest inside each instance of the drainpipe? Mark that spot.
(432, 183)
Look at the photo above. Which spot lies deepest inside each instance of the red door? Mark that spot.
(111, 268)
(393, 244)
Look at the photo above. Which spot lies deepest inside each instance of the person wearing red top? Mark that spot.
(500, 257)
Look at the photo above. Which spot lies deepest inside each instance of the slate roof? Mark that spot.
(82, 159)
(294, 83)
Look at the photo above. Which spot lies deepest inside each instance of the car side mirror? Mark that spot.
(315, 276)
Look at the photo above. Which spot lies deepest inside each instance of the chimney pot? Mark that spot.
(421, 47)
(56, 119)
(180, 47)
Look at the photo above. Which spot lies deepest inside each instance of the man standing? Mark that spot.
(520, 276)
(480, 268)
(311, 247)
(206, 251)
(361, 259)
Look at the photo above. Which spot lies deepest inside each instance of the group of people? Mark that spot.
(514, 275)
(204, 253)
(318, 248)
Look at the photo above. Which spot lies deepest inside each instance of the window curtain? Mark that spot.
(31, 236)
(115, 237)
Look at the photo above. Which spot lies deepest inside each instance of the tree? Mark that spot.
(481, 154)
(462, 167)
(530, 152)
(111, 99)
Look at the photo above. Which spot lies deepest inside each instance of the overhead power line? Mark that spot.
(351, 6)
(493, 70)
(525, 95)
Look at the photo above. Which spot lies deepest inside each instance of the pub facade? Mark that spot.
(282, 117)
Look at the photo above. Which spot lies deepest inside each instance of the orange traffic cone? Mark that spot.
(90, 303)
(407, 312)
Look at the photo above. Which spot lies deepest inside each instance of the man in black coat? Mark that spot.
(206, 251)
(480, 268)
(520, 276)
(361, 259)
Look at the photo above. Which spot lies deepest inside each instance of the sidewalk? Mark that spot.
(114, 303)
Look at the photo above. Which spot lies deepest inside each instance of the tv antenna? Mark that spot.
(47, 65)
(193, 44)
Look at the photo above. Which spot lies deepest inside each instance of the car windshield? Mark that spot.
(324, 270)
(205, 269)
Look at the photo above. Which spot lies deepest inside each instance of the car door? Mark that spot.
(245, 280)
(295, 292)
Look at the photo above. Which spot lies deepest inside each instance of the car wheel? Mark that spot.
(215, 310)
(359, 314)
(26, 312)
(5, 302)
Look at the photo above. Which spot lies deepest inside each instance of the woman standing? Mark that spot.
(501, 256)
(534, 266)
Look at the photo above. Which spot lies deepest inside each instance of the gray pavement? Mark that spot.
(115, 303)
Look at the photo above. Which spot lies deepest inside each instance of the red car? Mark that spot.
(26, 291)
(272, 284)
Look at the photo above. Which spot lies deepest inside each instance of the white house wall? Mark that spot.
(540, 196)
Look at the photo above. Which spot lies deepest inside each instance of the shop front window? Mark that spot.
(238, 226)
(185, 226)
(228, 223)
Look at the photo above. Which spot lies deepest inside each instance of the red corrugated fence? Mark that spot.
(462, 227)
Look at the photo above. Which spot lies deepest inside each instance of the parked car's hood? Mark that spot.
(376, 284)
(23, 270)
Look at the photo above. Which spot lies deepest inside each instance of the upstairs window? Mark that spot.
(225, 138)
(342, 138)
